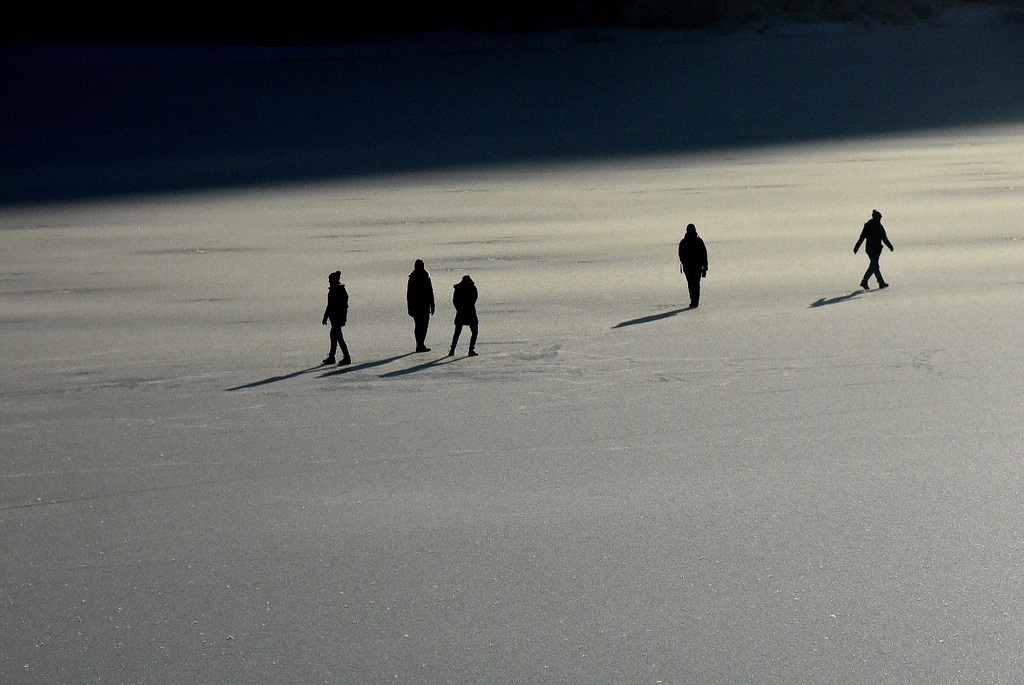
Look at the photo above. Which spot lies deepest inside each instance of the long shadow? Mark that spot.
(275, 379)
(82, 121)
(825, 301)
(652, 317)
(334, 371)
(419, 367)
(365, 365)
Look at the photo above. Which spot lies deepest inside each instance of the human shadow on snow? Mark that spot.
(419, 367)
(824, 301)
(320, 367)
(275, 379)
(365, 365)
(652, 317)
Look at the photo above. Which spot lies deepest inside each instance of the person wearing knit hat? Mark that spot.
(337, 314)
(873, 236)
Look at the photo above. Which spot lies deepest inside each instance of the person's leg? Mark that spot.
(867, 274)
(455, 338)
(339, 339)
(334, 344)
(874, 270)
(472, 339)
(693, 285)
(878, 270)
(422, 321)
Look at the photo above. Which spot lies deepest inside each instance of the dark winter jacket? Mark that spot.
(873, 236)
(693, 255)
(464, 299)
(337, 305)
(420, 293)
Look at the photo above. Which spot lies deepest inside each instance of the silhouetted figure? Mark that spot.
(873, 236)
(420, 298)
(337, 313)
(464, 300)
(693, 262)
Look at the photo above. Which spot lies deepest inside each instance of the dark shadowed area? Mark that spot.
(80, 121)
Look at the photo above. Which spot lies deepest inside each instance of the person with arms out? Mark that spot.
(873, 236)
(464, 300)
(420, 298)
(693, 262)
(337, 314)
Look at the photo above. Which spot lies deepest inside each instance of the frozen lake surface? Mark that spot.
(797, 482)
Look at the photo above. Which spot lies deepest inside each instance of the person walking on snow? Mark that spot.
(420, 298)
(873, 236)
(693, 262)
(464, 300)
(337, 313)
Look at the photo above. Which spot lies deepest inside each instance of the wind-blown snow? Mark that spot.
(796, 482)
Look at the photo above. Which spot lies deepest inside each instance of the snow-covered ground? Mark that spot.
(796, 482)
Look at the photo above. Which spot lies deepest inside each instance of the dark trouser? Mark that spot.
(472, 338)
(693, 283)
(338, 340)
(422, 321)
(873, 269)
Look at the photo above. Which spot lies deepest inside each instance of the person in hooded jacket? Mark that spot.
(420, 298)
(693, 262)
(873, 236)
(464, 299)
(337, 314)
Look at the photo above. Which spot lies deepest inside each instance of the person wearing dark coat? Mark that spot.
(693, 262)
(337, 313)
(873, 236)
(420, 298)
(464, 300)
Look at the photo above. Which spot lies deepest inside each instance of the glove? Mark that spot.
(324, 323)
